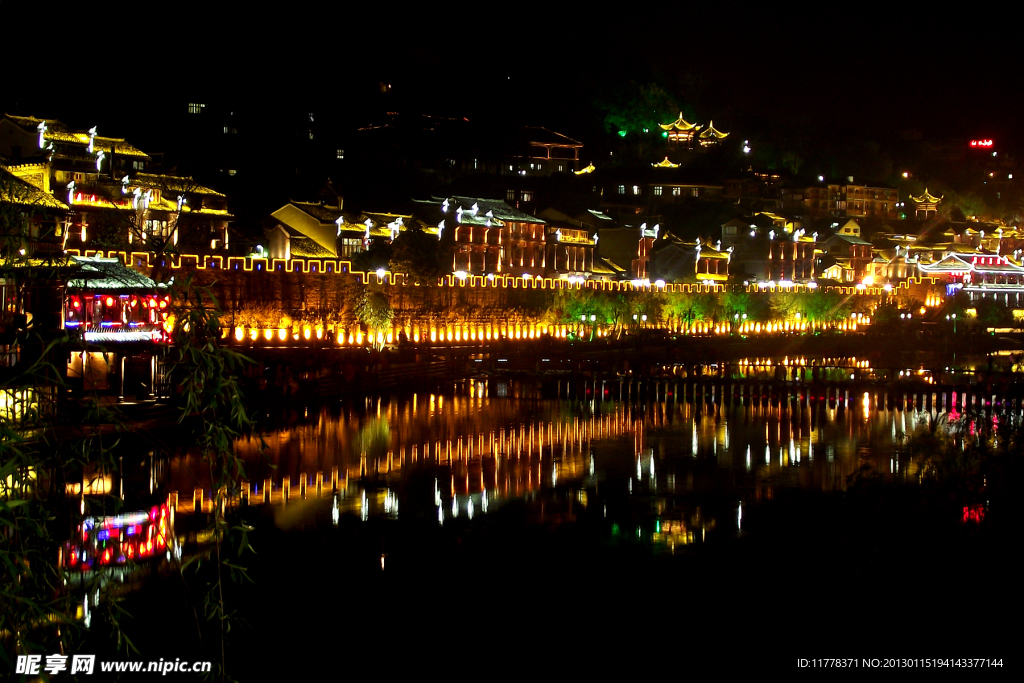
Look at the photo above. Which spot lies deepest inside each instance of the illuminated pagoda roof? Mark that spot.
(589, 168)
(680, 124)
(98, 274)
(665, 163)
(711, 133)
(926, 198)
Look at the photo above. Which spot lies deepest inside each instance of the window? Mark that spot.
(622, 189)
(195, 107)
(657, 190)
(561, 167)
(138, 165)
(230, 130)
(232, 172)
(694, 191)
(475, 166)
(510, 195)
(341, 154)
(676, 191)
(311, 117)
(527, 195)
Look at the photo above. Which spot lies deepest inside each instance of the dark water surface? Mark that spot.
(497, 526)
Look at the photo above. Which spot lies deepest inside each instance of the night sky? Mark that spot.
(865, 71)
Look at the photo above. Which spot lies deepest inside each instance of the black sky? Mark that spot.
(865, 70)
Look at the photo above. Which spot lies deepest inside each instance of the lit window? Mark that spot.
(230, 130)
(527, 195)
(657, 190)
(341, 154)
(676, 191)
(561, 167)
(694, 192)
(195, 107)
(232, 172)
(622, 189)
(510, 195)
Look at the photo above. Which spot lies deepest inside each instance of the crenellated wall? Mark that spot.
(327, 290)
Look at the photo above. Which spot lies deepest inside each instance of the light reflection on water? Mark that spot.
(464, 455)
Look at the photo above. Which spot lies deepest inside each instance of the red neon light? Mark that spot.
(982, 143)
(974, 513)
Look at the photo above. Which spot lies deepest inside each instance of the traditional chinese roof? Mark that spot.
(589, 168)
(304, 247)
(324, 214)
(14, 190)
(55, 130)
(109, 274)
(665, 163)
(680, 124)
(171, 183)
(926, 198)
(852, 239)
(712, 133)
(119, 145)
(498, 209)
(603, 266)
(542, 136)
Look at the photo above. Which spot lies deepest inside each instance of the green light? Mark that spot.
(665, 134)
(622, 133)
(647, 130)
(657, 526)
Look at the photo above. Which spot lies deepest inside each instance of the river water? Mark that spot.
(467, 452)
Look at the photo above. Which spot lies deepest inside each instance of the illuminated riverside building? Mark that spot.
(112, 194)
(487, 235)
(124, 314)
(676, 260)
(315, 231)
(770, 247)
(981, 276)
(838, 200)
(851, 253)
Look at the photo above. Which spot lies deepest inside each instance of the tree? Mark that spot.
(377, 257)
(374, 310)
(418, 255)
